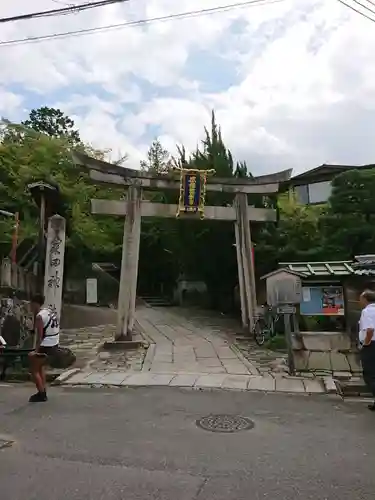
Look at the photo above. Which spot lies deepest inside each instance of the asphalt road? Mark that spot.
(144, 444)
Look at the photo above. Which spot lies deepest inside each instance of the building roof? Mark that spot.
(285, 269)
(323, 172)
(330, 169)
(320, 269)
(363, 265)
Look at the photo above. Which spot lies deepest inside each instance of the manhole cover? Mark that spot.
(5, 444)
(225, 423)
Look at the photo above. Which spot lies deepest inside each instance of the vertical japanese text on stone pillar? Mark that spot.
(53, 278)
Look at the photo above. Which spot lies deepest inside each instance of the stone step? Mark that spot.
(352, 388)
(157, 301)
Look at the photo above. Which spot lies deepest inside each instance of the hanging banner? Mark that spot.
(192, 191)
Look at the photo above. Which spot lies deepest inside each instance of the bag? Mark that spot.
(63, 358)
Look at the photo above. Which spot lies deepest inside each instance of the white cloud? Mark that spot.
(304, 90)
(100, 130)
(9, 103)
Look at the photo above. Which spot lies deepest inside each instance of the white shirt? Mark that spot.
(367, 321)
(51, 327)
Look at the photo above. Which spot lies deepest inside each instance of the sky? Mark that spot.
(292, 82)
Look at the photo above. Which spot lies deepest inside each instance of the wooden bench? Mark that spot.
(10, 355)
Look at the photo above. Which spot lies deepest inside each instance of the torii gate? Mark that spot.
(133, 208)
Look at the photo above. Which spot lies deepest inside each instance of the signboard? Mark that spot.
(283, 287)
(91, 291)
(322, 301)
(192, 190)
(286, 309)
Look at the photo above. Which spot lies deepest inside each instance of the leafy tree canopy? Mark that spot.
(27, 156)
(53, 122)
(348, 224)
(158, 159)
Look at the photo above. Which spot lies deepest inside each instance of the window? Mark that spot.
(317, 192)
(302, 194)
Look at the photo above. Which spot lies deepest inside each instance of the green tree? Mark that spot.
(242, 170)
(214, 154)
(53, 122)
(207, 248)
(193, 248)
(41, 157)
(158, 159)
(159, 266)
(348, 225)
(295, 237)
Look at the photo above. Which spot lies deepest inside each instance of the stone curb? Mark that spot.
(148, 359)
(330, 385)
(26, 377)
(252, 369)
(349, 389)
(66, 375)
(199, 381)
(143, 333)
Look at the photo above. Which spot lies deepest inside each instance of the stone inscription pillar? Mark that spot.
(54, 267)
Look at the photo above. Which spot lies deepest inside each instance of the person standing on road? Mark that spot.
(367, 340)
(47, 331)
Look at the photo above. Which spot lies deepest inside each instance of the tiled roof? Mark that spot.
(309, 269)
(363, 265)
(364, 272)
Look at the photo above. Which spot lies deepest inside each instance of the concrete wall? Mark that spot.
(326, 353)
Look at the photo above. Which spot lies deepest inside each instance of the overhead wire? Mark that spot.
(357, 11)
(139, 22)
(71, 9)
(364, 6)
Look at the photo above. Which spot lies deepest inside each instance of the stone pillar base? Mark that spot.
(122, 345)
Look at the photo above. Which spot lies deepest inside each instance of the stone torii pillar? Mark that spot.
(129, 265)
(245, 262)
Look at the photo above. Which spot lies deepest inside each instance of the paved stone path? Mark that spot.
(191, 349)
(187, 344)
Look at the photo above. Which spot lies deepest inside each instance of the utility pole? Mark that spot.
(43, 194)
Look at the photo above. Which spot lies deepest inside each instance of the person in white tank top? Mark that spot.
(51, 328)
(47, 331)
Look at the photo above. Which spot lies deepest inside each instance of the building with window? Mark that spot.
(314, 186)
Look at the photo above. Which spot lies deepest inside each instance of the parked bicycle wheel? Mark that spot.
(260, 331)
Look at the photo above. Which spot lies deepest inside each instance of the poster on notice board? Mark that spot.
(322, 301)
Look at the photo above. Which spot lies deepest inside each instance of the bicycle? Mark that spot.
(265, 326)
